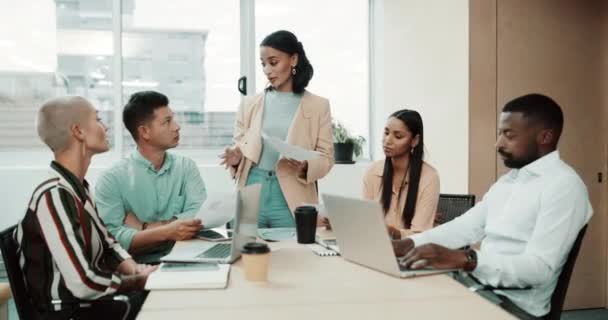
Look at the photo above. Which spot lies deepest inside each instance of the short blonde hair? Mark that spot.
(55, 118)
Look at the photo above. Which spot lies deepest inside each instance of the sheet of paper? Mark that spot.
(290, 151)
(217, 210)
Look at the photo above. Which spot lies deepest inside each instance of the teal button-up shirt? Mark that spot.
(133, 185)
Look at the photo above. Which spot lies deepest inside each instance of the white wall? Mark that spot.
(421, 61)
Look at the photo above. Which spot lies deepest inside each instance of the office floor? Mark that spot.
(591, 314)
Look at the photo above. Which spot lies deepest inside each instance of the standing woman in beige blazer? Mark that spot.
(287, 111)
(406, 186)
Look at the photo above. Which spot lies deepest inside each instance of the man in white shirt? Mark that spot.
(528, 220)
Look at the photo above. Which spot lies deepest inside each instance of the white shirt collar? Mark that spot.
(540, 166)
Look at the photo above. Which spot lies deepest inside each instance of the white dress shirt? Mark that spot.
(527, 223)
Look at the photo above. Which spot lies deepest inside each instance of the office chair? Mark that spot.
(451, 206)
(559, 294)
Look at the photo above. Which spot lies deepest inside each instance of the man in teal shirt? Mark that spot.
(148, 199)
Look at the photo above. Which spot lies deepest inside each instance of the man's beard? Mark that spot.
(513, 163)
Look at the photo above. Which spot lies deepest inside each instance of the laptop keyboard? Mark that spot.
(218, 251)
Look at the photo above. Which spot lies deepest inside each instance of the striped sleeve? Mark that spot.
(56, 214)
(115, 253)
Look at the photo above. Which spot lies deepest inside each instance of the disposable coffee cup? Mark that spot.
(306, 223)
(256, 257)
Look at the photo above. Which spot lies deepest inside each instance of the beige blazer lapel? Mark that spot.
(252, 142)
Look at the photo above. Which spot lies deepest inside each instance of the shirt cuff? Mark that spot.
(484, 268)
(420, 239)
(185, 215)
(125, 237)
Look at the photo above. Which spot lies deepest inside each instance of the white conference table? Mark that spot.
(305, 286)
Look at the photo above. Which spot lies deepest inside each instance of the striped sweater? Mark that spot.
(65, 251)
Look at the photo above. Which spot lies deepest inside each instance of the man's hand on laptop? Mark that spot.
(435, 256)
(183, 229)
(403, 246)
(394, 232)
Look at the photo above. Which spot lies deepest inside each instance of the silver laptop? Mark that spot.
(362, 237)
(244, 230)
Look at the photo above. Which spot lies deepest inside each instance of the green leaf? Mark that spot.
(342, 135)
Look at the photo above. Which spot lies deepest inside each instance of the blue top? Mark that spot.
(279, 111)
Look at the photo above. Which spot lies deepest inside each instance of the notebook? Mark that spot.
(173, 276)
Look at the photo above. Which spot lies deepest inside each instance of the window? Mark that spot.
(52, 48)
(192, 55)
(189, 50)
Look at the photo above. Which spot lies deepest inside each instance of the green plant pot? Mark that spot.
(343, 152)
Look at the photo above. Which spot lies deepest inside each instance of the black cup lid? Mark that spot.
(255, 248)
(306, 209)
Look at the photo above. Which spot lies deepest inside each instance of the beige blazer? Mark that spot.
(310, 129)
(426, 203)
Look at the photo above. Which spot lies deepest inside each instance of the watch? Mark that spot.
(471, 262)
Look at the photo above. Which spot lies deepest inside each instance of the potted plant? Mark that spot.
(346, 145)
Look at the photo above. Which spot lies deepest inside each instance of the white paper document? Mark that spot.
(217, 210)
(290, 151)
(172, 276)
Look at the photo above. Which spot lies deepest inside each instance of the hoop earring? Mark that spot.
(293, 71)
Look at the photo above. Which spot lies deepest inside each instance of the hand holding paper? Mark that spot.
(217, 210)
(290, 151)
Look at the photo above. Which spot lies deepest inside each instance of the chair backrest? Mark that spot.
(559, 294)
(8, 246)
(451, 206)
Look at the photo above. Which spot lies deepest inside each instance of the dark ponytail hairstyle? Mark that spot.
(287, 42)
(413, 121)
